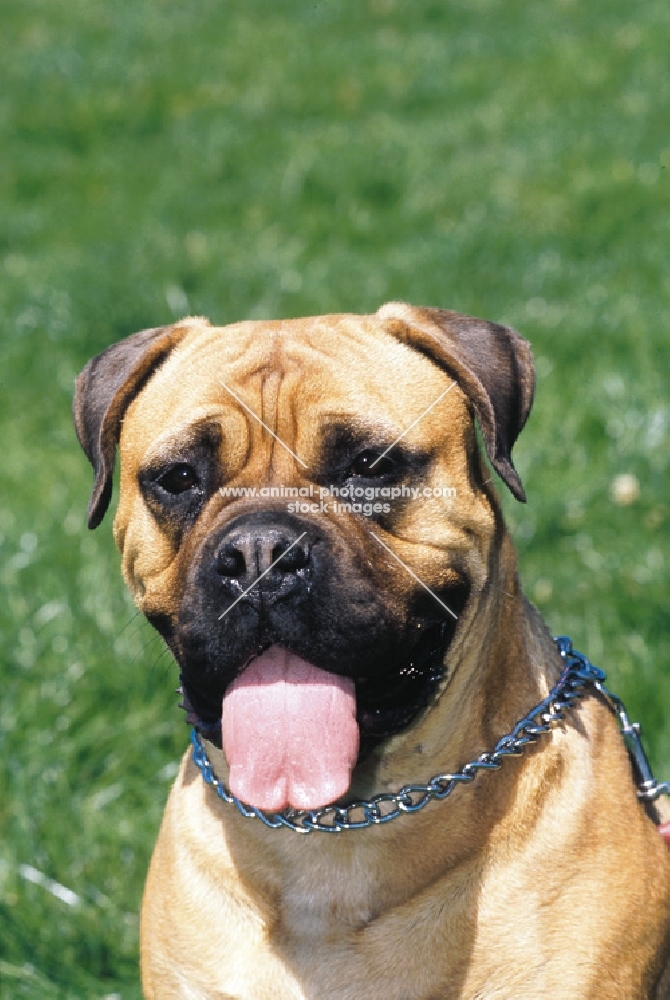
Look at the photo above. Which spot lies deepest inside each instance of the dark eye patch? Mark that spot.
(176, 485)
(356, 452)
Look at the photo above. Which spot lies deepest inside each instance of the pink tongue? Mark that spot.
(289, 733)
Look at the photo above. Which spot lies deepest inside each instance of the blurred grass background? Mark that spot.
(256, 159)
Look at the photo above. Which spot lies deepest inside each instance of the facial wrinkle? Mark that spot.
(271, 381)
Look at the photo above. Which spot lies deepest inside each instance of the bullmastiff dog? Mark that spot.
(307, 519)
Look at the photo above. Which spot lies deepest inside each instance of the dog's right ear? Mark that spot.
(103, 392)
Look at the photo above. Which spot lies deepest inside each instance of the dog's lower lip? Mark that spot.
(383, 713)
(387, 706)
(387, 699)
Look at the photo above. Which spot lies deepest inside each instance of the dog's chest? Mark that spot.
(325, 906)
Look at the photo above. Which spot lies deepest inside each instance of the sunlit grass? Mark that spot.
(268, 159)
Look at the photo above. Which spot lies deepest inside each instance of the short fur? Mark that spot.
(544, 880)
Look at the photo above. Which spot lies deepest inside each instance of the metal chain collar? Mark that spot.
(577, 677)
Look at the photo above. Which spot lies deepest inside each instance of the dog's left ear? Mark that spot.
(103, 392)
(492, 364)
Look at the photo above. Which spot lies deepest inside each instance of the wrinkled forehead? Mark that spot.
(347, 364)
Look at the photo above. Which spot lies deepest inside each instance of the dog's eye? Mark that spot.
(178, 479)
(370, 463)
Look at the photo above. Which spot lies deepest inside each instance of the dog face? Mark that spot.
(307, 493)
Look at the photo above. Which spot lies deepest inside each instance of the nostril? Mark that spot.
(296, 558)
(230, 561)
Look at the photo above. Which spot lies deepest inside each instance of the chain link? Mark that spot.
(577, 676)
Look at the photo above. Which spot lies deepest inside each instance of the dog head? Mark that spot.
(303, 516)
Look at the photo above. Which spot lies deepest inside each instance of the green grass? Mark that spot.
(251, 159)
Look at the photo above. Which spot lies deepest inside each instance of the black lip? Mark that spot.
(387, 706)
(386, 703)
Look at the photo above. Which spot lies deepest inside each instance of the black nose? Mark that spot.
(263, 560)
